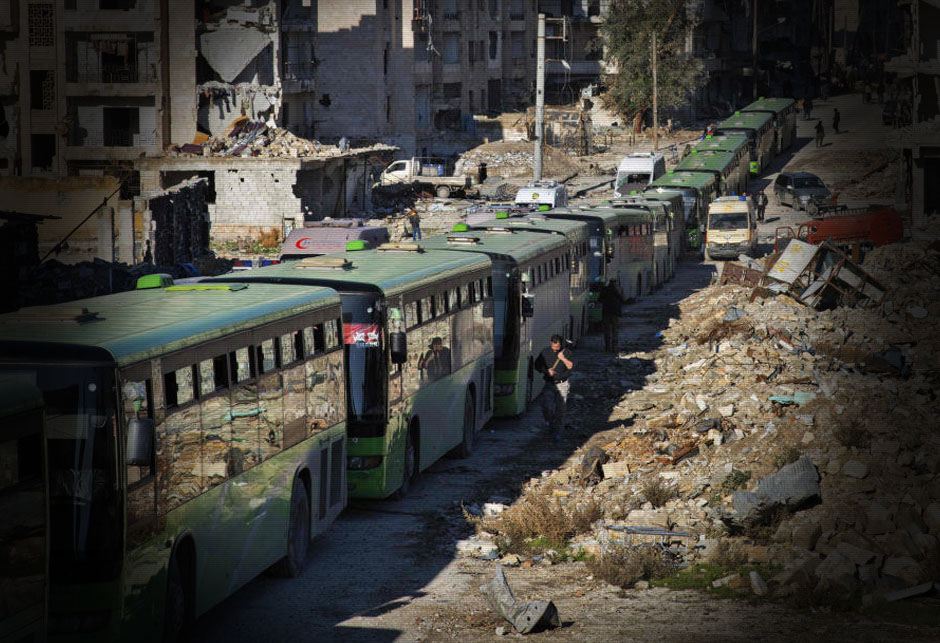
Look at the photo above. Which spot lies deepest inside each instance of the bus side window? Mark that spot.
(241, 364)
(309, 341)
(440, 304)
(331, 334)
(266, 356)
(411, 313)
(178, 387)
(488, 292)
(427, 309)
(453, 300)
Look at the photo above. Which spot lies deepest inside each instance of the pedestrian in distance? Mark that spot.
(835, 120)
(611, 305)
(808, 106)
(555, 365)
(761, 205)
(820, 134)
(415, 222)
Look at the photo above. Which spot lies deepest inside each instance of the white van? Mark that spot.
(731, 229)
(550, 193)
(637, 171)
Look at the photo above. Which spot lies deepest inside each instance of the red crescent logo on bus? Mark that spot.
(303, 243)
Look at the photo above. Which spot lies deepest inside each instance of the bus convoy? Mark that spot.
(164, 446)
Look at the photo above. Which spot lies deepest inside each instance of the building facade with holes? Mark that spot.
(413, 73)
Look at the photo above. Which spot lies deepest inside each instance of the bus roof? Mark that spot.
(517, 246)
(574, 230)
(774, 105)
(391, 272)
(583, 213)
(745, 120)
(679, 179)
(730, 142)
(141, 324)
(626, 213)
(709, 161)
(18, 396)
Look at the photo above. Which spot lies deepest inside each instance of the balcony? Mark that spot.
(298, 77)
(517, 16)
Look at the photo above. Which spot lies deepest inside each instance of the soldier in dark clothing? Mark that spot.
(555, 365)
(611, 303)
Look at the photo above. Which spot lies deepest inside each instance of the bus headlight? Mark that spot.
(501, 390)
(361, 462)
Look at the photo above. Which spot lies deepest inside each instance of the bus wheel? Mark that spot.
(469, 424)
(175, 611)
(410, 464)
(298, 533)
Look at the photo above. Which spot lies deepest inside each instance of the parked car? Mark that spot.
(801, 191)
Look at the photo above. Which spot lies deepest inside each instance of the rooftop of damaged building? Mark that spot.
(248, 138)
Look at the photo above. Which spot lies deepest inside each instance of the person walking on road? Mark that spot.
(555, 365)
(820, 134)
(415, 222)
(808, 106)
(611, 305)
(761, 205)
(835, 120)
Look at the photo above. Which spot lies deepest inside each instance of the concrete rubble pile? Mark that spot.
(514, 159)
(261, 139)
(807, 439)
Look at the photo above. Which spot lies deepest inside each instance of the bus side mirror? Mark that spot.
(140, 442)
(528, 306)
(398, 347)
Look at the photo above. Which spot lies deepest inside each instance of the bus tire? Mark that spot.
(174, 619)
(410, 464)
(469, 425)
(443, 191)
(298, 533)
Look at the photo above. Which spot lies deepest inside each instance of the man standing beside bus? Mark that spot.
(761, 205)
(611, 305)
(555, 366)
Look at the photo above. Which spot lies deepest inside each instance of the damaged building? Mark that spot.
(414, 72)
(918, 73)
(264, 197)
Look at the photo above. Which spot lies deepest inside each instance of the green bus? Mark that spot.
(576, 236)
(735, 142)
(625, 249)
(24, 535)
(761, 133)
(784, 112)
(698, 190)
(418, 345)
(530, 302)
(731, 174)
(195, 437)
(668, 234)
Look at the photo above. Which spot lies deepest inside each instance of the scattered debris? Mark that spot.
(534, 616)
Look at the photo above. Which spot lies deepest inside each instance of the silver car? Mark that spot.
(801, 191)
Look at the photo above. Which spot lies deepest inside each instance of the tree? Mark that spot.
(627, 34)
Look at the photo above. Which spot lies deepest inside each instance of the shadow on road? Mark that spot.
(382, 556)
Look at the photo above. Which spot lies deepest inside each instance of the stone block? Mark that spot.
(905, 569)
(806, 535)
(855, 469)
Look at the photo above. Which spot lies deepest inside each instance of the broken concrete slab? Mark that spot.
(534, 616)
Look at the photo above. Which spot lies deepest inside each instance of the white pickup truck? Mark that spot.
(424, 173)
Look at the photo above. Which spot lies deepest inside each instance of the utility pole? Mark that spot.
(539, 98)
(655, 99)
(754, 49)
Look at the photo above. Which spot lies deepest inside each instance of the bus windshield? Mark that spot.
(84, 515)
(505, 315)
(365, 366)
